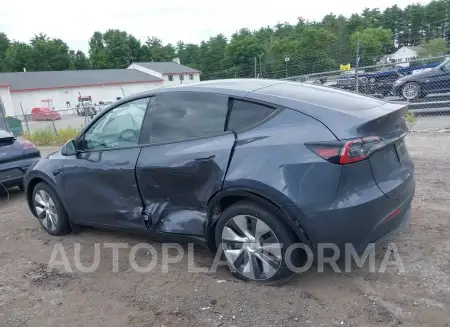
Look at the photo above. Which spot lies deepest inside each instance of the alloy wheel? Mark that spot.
(251, 247)
(46, 210)
(411, 91)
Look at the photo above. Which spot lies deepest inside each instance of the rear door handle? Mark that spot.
(205, 159)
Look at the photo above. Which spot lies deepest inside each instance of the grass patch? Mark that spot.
(47, 136)
(410, 118)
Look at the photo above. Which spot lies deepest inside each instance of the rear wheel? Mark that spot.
(49, 210)
(411, 91)
(254, 243)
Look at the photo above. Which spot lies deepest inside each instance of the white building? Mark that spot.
(171, 72)
(403, 55)
(28, 90)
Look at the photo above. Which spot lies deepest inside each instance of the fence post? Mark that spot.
(50, 104)
(357, 66)
(25, 118)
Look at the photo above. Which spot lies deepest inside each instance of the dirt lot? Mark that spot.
(32, 296)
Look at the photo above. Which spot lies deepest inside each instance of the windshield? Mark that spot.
(445, 64)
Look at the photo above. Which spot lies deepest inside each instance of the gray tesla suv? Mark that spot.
(250, 167)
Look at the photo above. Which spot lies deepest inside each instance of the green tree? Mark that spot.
(242, 51)
(78, 60)
(155, 50)
(435, 47)
(18, 57)
(212, 60)
(97, 52)
(374, 42)
(49, 54)
(4, 45)
(317, 46)
(117, 49)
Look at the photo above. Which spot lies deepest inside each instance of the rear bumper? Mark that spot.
(12, 173)
(358, 219)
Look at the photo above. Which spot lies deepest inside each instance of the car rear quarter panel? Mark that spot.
(273, 159)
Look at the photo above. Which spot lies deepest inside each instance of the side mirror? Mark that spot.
(69, 149)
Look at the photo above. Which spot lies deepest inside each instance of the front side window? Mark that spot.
(120, 127)
(176, 116)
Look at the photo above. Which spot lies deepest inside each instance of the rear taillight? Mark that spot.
(348, 151)
(27, 144)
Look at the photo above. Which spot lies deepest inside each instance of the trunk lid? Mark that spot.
(352, 116)
(392, 167)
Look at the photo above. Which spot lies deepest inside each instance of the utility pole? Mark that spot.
(286, 59)
(357, 66)
(255, 67)
(260, 65)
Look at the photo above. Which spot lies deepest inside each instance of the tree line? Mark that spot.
(272, 51)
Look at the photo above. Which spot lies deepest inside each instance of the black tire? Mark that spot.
(283, 235)
(62, 225)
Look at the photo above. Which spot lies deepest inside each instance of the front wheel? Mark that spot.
(49, 210)
(254, 243)
(411, 91)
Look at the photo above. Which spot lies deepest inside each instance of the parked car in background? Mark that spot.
(86, 108)
(418, 85)
(102, 104)
(382, 81)
(249, 167)
(44, 113)
(16, 155)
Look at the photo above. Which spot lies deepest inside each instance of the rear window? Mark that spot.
(247, 114)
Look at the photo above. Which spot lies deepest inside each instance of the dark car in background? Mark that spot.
(380, 82)
(420, 84)
(16, 155)
(250, 167)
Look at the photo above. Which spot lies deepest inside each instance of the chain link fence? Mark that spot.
(422, 84)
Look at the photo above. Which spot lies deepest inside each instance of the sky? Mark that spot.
(172, 20)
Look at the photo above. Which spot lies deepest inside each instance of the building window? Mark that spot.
(181, 77)
(170, 78)
(191, 77)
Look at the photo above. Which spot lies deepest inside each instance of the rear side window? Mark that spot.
(177, 116)
(247, 114)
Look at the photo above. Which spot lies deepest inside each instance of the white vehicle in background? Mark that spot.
(102, 104)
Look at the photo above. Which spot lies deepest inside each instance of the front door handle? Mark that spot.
(57, 171)
(205, 159)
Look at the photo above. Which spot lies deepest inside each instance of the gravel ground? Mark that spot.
(32, 295)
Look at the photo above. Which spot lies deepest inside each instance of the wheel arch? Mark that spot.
(226, 197)
(31, 183)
